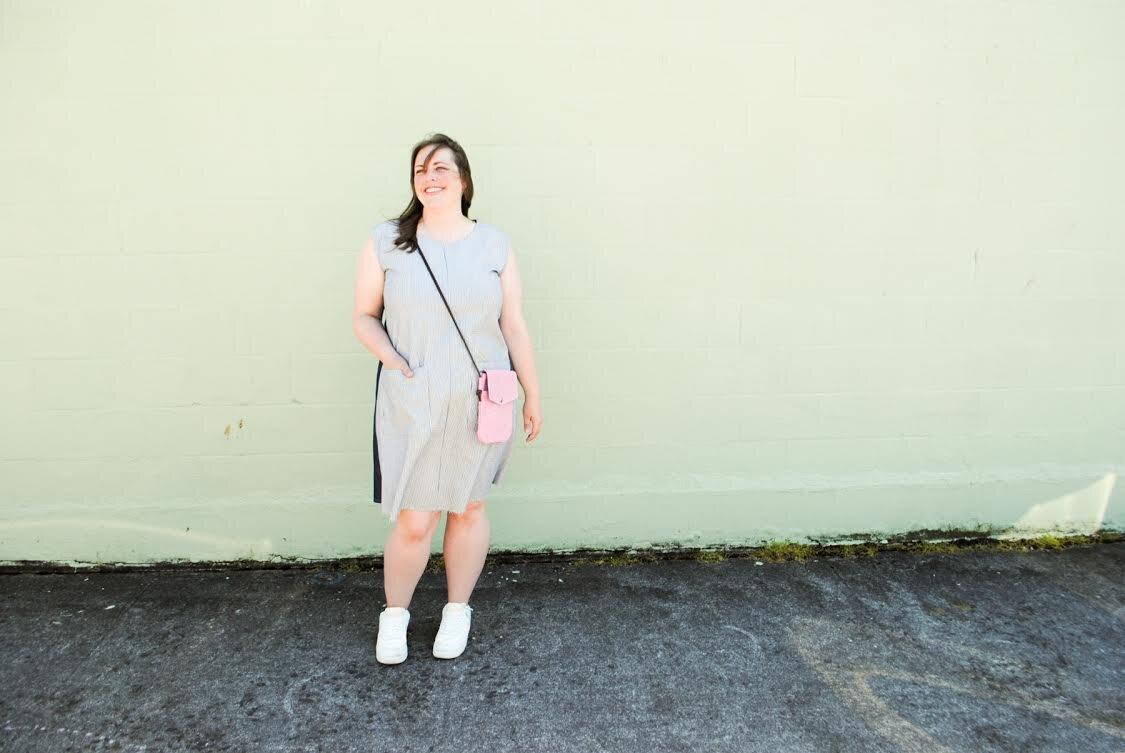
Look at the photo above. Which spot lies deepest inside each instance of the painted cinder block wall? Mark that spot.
(793, 270)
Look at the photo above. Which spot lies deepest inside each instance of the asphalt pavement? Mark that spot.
(980, 650)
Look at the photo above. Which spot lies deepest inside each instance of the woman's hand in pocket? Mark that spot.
(402, 365)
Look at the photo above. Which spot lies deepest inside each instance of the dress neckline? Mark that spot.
(463, 238)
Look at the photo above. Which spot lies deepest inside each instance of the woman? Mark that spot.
(427, 457)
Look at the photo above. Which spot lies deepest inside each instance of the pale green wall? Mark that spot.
(793, 269)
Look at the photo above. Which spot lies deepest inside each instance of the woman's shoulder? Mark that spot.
(497, 242)
(385, 234)
(493, 233)
(385, 228)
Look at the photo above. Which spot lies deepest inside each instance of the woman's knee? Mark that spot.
(417, 524)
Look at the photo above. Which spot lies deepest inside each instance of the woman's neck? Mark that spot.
(444, 226)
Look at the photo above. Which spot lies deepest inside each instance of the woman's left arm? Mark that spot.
(518, 338)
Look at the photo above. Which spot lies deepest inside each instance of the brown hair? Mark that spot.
(412, 215)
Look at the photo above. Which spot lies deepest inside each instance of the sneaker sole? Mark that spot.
(390, 659)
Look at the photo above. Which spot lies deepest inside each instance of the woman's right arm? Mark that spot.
(369, 308)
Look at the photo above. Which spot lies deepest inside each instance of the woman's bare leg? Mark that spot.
(406, 554)
(465, 548)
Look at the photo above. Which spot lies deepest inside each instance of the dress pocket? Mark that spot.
(406, 400)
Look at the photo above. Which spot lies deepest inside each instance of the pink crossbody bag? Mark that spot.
(496, 388)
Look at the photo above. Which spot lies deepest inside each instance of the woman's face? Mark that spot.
(441, 177)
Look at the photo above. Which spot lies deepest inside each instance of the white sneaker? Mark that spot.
(453, 635)
(390, 646)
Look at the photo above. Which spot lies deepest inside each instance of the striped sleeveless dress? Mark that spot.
(425, 450)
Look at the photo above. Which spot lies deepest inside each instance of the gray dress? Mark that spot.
(424, 444)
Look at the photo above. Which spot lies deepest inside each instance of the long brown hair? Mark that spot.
(412, 215)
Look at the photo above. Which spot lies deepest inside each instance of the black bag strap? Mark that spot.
(467, 349)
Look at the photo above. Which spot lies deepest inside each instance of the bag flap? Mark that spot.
(501, 385)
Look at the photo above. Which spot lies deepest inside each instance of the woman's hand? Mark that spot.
(532, 418)
(402, 365)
